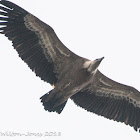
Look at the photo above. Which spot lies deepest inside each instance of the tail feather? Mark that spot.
(49, 105)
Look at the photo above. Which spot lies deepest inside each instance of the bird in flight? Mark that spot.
(73, 76)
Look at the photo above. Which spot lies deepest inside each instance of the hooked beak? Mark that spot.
(94, 65)
(99, 60)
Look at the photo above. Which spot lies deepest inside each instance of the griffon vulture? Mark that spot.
(73, 77)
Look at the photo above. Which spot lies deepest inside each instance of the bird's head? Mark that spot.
(92, 66)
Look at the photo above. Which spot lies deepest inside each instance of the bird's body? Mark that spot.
(69, 84)
(73, 76)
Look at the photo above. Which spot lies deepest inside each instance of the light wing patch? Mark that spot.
(61, 51)
(118, 94)
(34, 24)
(103, 82)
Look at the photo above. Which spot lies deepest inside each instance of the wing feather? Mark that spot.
(110, 99)
(35, 41)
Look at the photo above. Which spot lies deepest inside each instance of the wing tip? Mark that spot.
(120, 110)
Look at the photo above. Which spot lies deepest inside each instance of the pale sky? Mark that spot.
(91, 29)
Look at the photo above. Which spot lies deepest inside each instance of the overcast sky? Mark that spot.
(92, 29)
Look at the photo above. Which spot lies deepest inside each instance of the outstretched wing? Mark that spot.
(110, 99)
(35, 41)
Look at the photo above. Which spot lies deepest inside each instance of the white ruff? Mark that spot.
(87, 64)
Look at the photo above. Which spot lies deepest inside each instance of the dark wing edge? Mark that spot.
(25, 41)
(111, 106)
(36, 49)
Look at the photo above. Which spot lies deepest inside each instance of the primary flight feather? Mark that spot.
(74, 77)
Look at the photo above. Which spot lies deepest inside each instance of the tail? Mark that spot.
(49, 105)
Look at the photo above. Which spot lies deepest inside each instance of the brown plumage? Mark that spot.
(73, 77)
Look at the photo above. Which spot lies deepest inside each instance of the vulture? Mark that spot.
(72, 76)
